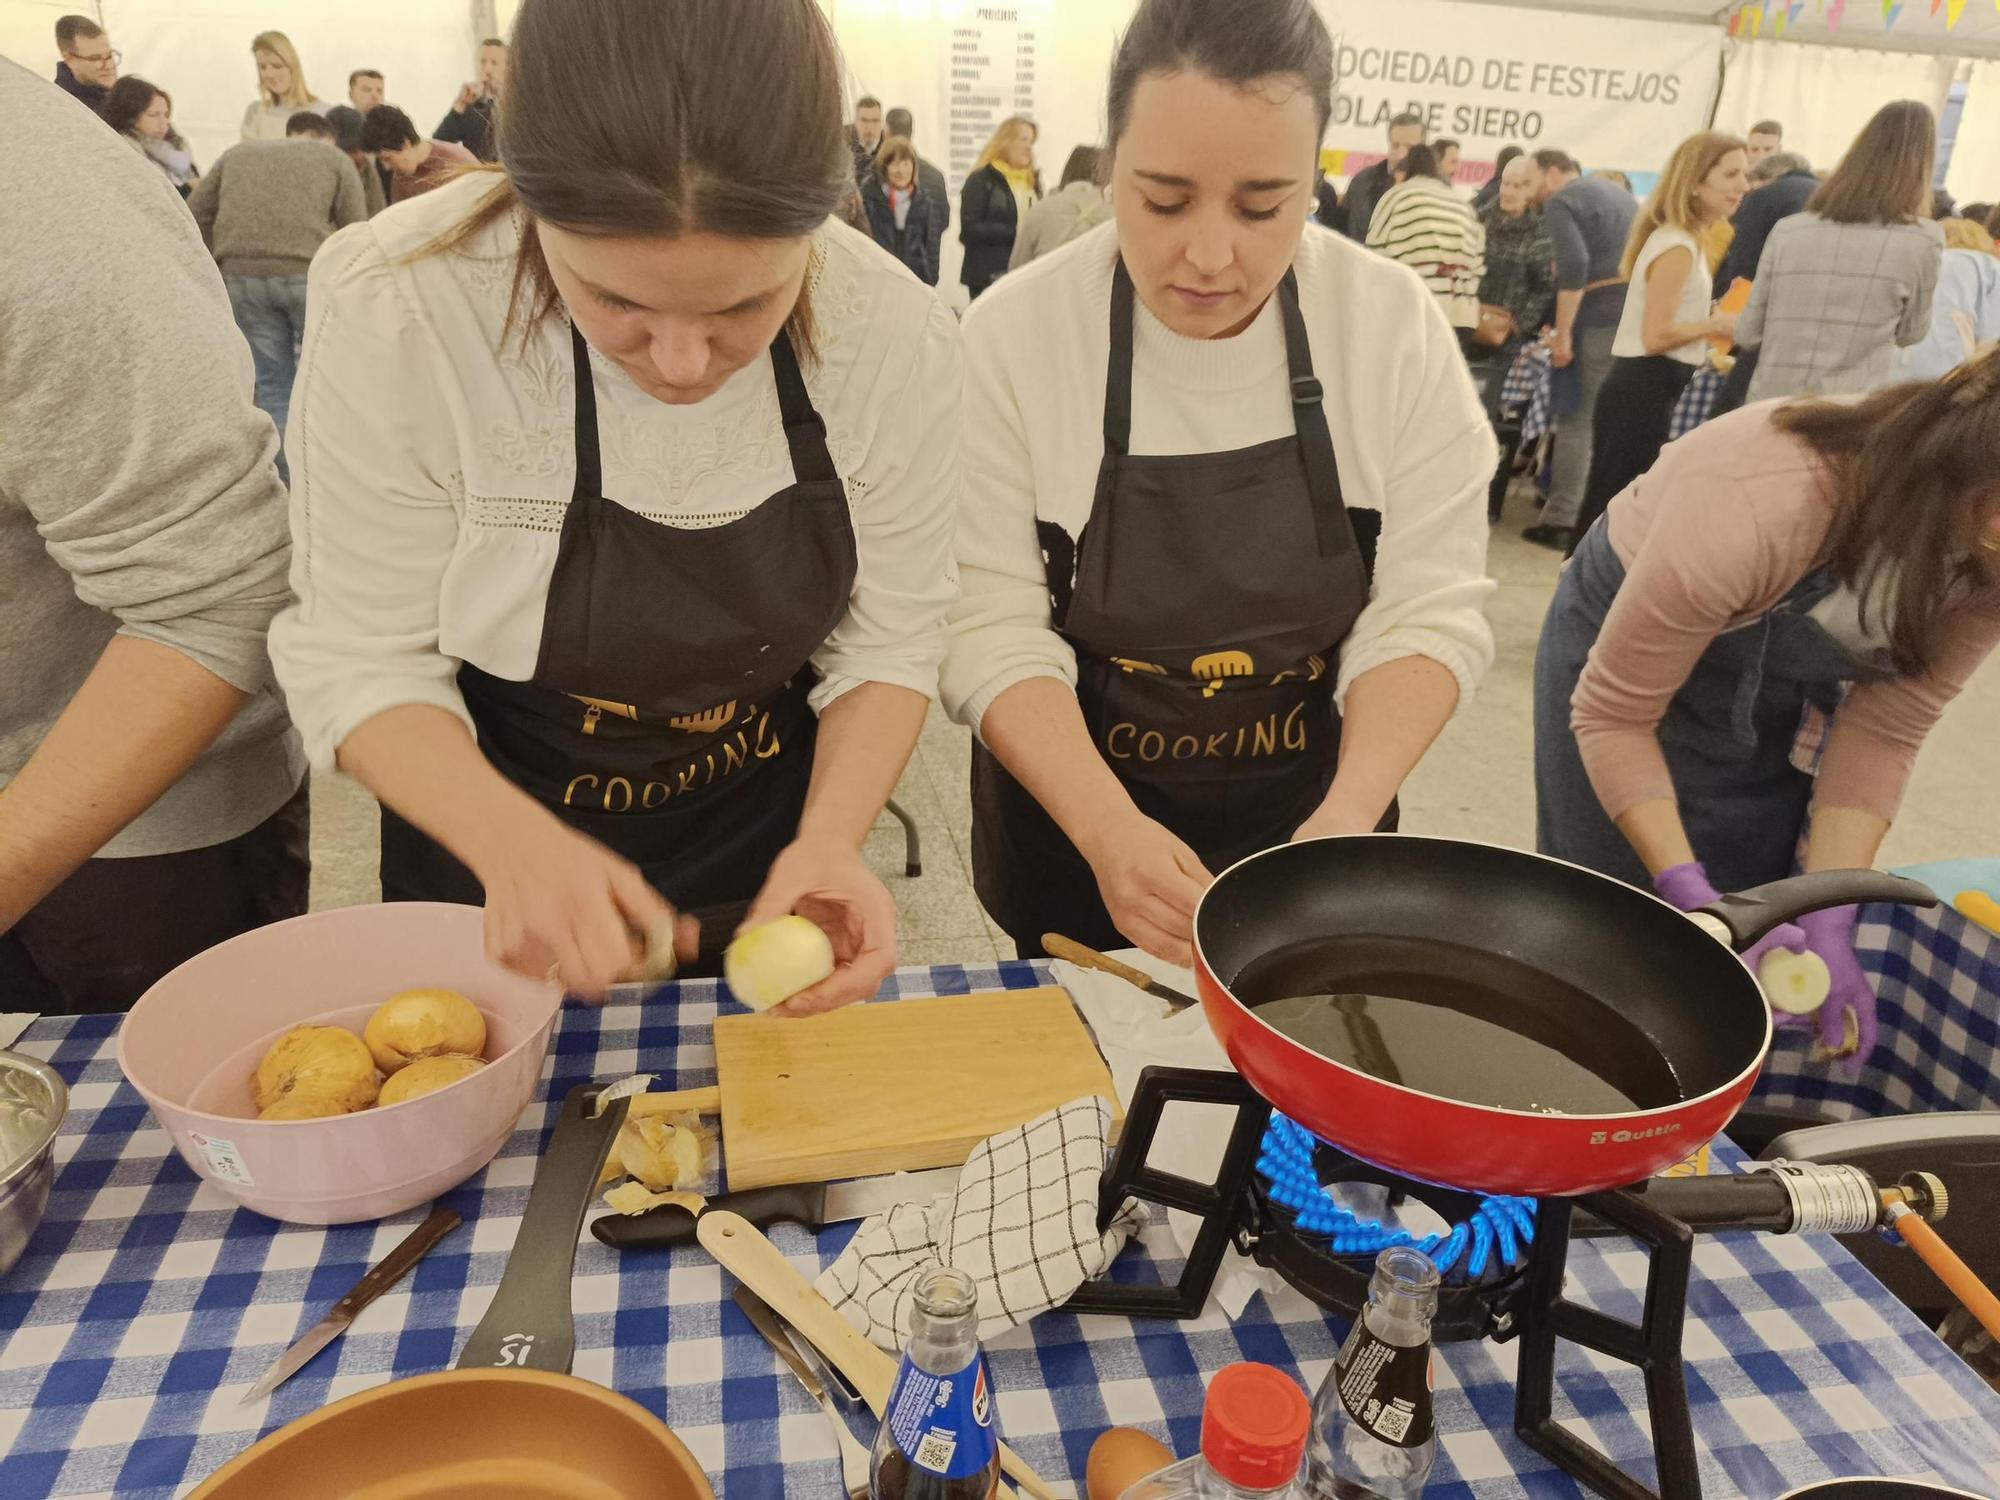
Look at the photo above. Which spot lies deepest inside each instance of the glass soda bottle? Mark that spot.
(1373, 1437)
(1253, 1434)
(940, 1437)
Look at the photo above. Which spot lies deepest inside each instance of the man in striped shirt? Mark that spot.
(1424, 223)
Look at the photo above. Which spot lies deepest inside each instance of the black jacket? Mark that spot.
(987, 224)
(1326, 204)
(473, 129)
(1756, 216)
(92, 95)
(1363, 193)
(915, 244)
(931, 180)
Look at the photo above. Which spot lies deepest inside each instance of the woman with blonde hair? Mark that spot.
(999, 190)
(282, 90)
(1664, 331)
(624, 574)
(1844, 285)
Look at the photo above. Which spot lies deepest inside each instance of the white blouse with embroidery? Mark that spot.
(432, 460)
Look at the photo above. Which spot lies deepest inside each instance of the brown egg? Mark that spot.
(1120, 1459)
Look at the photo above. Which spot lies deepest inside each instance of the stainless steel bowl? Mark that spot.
(33, 1101)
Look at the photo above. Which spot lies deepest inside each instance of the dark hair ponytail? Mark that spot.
(687, 132)
(1238, 42)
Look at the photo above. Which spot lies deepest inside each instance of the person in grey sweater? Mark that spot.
(1588, 219)
(1845, 284)
(1069, 213)
(265, 208)
(153, 801)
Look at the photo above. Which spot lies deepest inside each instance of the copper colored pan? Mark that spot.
(469, 1435)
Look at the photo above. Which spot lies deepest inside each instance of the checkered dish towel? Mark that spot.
(1023, 1225)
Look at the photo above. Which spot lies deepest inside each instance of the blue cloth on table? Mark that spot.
(1937, 979)
(148, 1303)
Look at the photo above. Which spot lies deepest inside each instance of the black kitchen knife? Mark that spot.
(812, 1204)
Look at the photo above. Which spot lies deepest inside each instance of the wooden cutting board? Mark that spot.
(896, 1086)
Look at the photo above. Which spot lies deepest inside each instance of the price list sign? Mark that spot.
(992, 75)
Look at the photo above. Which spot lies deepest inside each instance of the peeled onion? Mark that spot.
(427, 1075)
(769, 964)
(424, 1023)
(321, 1063)
(1795, 983)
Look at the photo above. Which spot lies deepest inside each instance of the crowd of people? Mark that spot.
(304, 169)
(901, 200)
(637, 512)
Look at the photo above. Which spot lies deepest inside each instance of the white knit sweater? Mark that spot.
(433, 459)
(1413, 445)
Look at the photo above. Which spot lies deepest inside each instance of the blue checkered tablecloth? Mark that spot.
(147, 1304)
(1527, 390)
(1696, 402)
(1938, 1006)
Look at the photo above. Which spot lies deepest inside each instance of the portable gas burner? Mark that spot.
(1509, 1296)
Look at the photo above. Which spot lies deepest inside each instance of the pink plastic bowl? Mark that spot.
(192, 1042)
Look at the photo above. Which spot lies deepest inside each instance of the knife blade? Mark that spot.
(379, 1277)
(812, 1204)
(776, 1334)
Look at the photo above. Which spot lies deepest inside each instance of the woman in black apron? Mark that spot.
(693, 683)
(1747, 650)
(1212, 584)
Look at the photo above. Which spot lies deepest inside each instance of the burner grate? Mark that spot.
(1505, 1300)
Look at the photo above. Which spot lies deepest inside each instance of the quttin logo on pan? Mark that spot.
(1600, 1137)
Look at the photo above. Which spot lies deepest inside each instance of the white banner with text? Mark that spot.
(1612, 92)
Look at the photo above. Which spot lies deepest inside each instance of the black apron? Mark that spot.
(668, 715)
(1206, 600)
(1729, 735)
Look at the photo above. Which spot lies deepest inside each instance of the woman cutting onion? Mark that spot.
(1791, 589)
(1223, 544)
(623, 496)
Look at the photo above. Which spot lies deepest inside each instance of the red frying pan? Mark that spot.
(1490, 1019)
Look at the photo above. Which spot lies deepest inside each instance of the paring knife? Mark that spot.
(1058, 946)
(384, 1274)
(813, 1204)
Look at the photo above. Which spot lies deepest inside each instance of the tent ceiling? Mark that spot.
(1916, 30)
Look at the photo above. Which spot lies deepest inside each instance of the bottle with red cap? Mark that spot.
(1253, 1437)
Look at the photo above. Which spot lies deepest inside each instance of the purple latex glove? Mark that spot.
(1687, 886)
(1830, 934)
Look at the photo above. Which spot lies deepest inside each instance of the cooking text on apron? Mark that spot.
(668, 716)
(1206, 599)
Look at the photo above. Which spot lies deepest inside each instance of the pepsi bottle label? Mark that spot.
(1386, 1387)
(945, 1424)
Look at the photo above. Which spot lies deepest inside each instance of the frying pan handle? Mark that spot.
(529, 1323)
(1748, 915)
